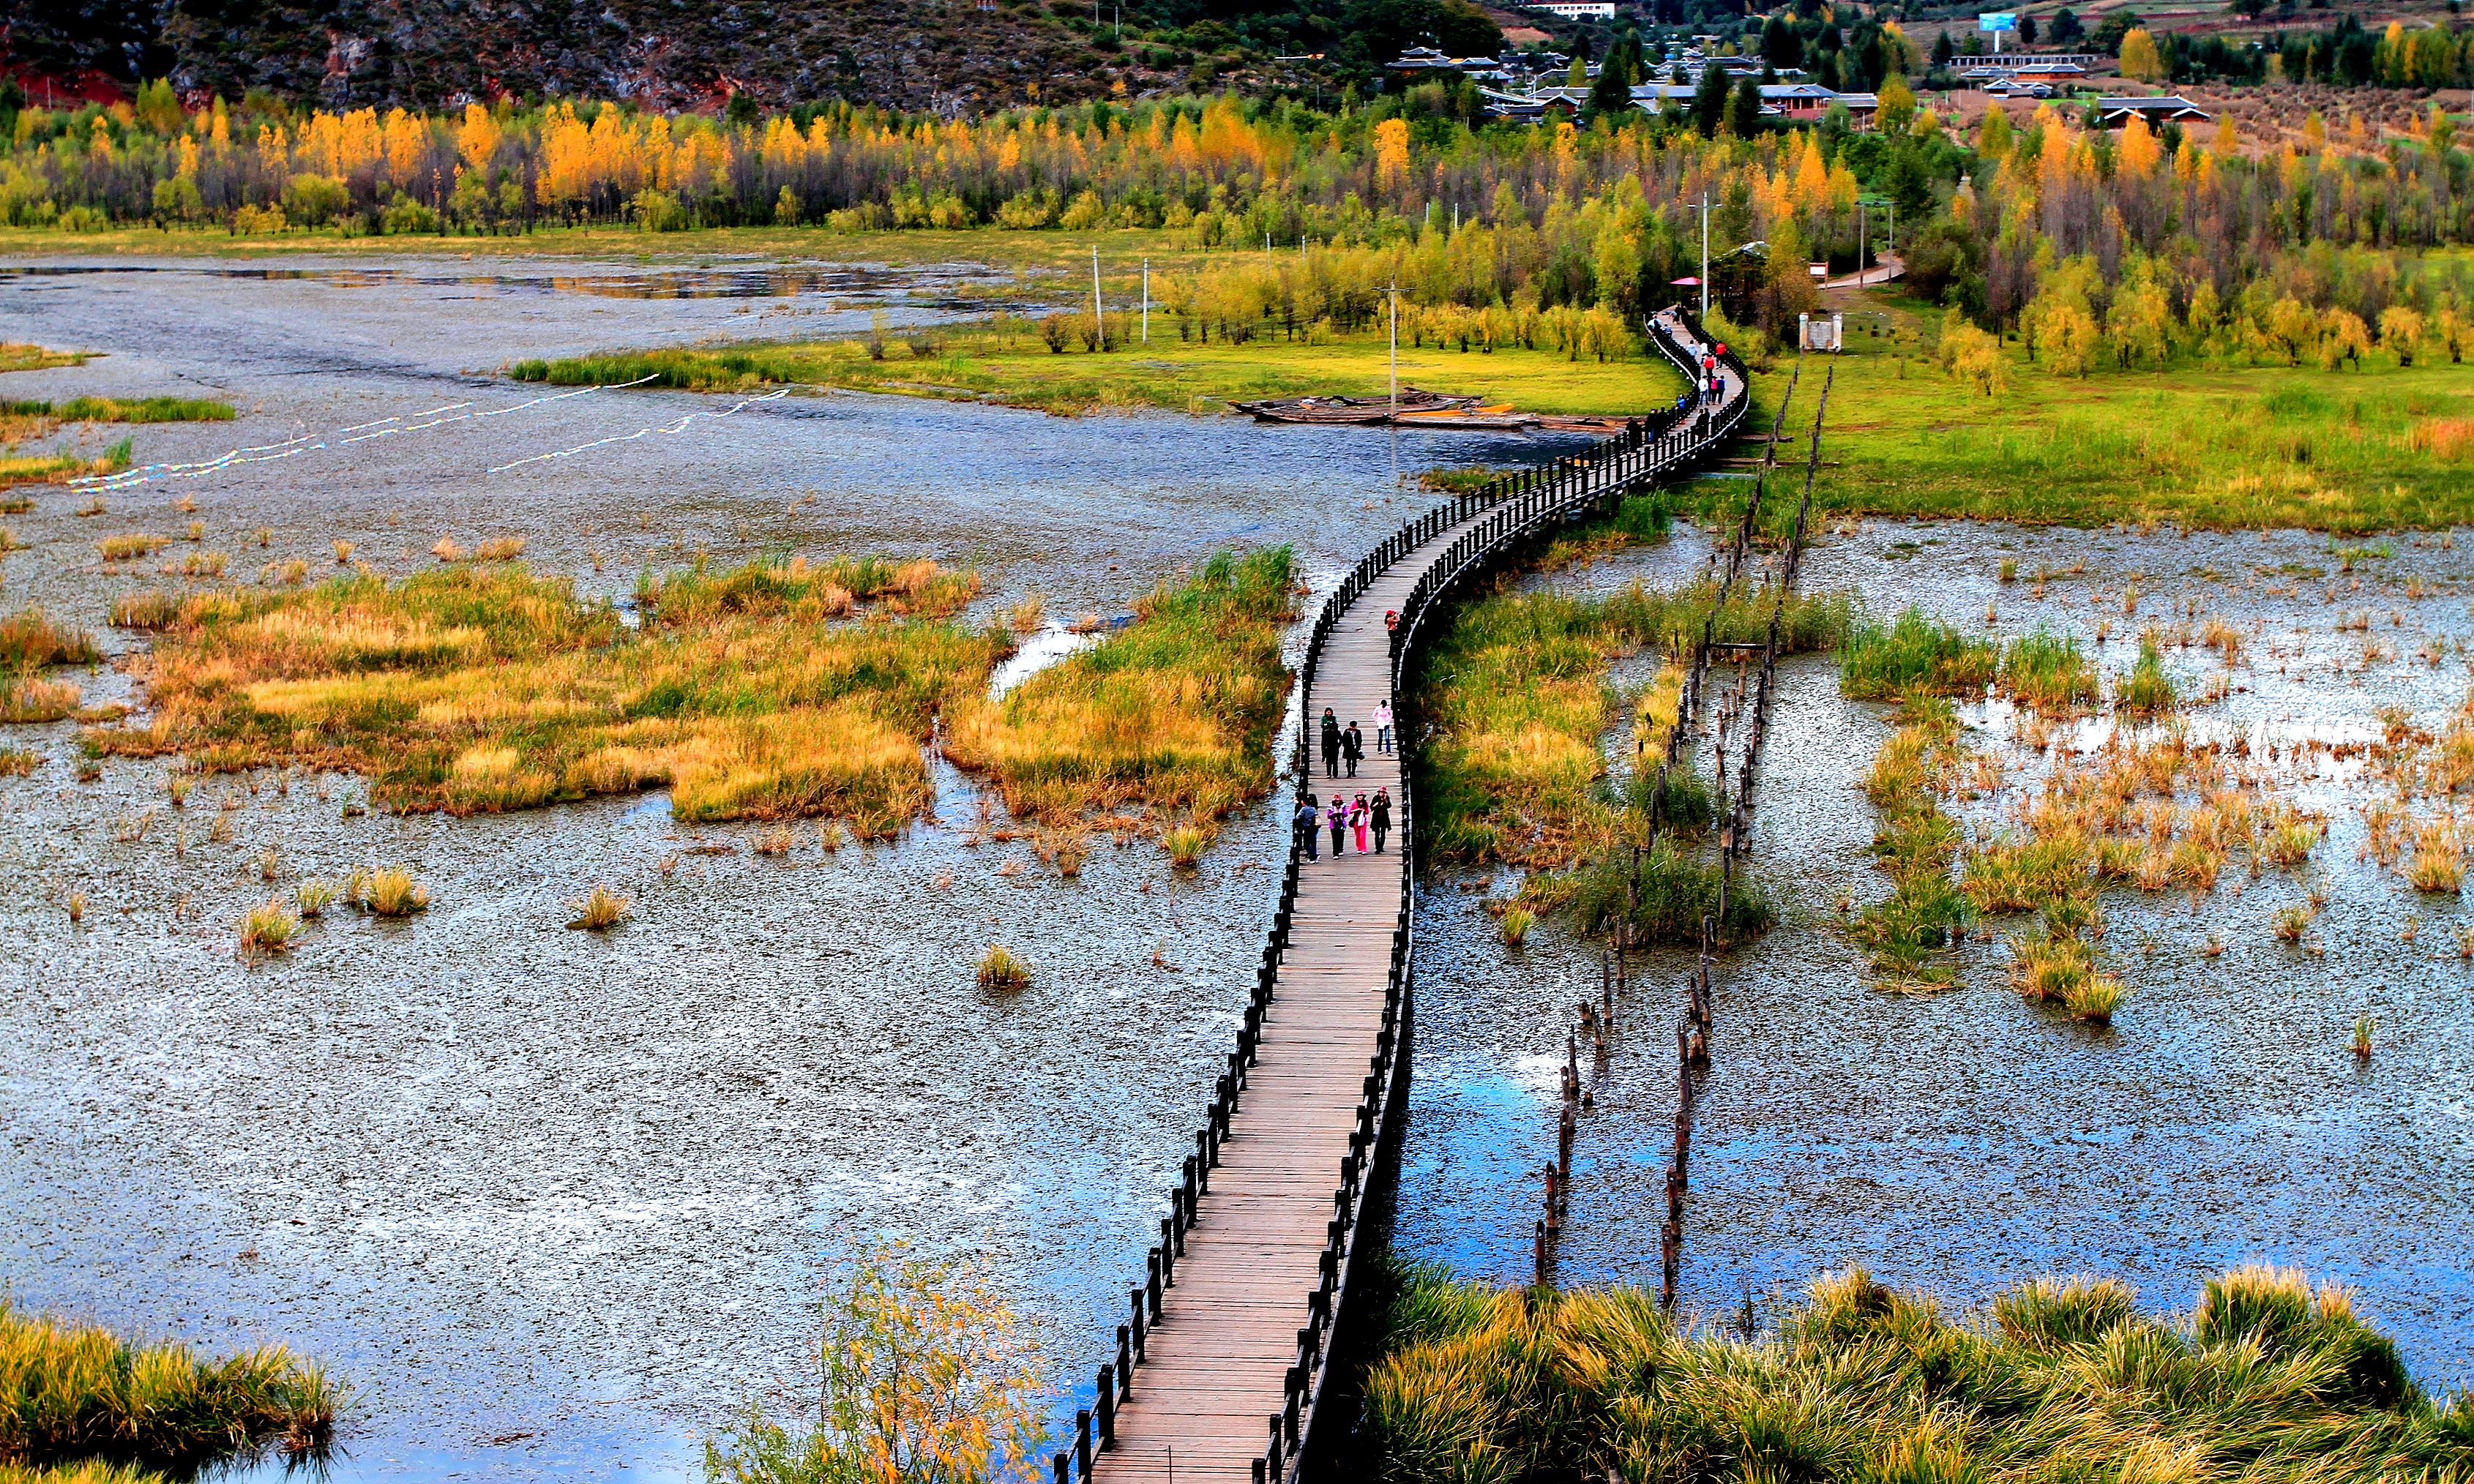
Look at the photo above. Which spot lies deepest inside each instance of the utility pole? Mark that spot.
(1704, 256)
(1098, 319)
(1394, 291)
(1147, 302)
(1861, 237)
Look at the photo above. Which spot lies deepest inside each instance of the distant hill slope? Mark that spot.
(910, 53)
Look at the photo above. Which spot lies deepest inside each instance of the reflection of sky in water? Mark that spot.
(1968, 1142)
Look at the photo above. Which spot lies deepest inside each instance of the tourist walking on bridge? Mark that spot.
(1383, 727)
(1352, 747)
(1339, 818)
(1306, 825)
(1330, 744)
(1382, 817)
(1357, 821)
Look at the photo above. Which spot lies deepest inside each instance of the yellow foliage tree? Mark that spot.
(1392, 154)
(2139, 58)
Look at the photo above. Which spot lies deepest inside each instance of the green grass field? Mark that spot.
(2381, 448)
(1016, 368)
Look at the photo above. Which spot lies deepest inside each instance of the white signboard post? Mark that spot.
(1995, 22)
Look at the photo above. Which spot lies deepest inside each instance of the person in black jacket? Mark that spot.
(1308, 825)
(1382, 820)
(1330, 744)
(1352, 747)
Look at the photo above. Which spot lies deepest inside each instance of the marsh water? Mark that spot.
(1966, 1141)
(558, 1203)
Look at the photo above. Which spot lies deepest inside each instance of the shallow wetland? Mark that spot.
(555, 1203)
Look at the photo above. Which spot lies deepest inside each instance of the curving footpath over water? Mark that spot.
(1220, 1366)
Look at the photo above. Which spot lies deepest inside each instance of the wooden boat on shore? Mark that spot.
(1420, 409)
(1358, 410)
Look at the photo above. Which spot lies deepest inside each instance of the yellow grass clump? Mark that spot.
(393, 893)
(599, 909)
(1001, 970)
(268, 930)
(128, 546)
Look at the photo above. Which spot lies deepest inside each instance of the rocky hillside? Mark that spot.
(951, 55)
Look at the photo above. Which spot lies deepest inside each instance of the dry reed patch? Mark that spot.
(471, 688)
(2444, 437)
(502, 548)
(1175, 713)
(144, 610)
(28, 698)
(130, 545)
(29, 639)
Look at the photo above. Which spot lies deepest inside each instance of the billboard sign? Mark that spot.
(1996, 20)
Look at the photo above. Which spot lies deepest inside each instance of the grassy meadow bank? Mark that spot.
(2363, 447)
(1025, 364)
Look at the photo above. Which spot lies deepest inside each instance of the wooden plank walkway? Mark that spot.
(1229, 1370)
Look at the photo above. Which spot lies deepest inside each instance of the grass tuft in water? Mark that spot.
(1001, 970)
(1914, 654)
(393, 893)
(2146, 690)
(268, 930)
(2047, 671)
(598, 910)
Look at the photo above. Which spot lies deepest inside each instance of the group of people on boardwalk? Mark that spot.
(1361, 816)
(1344, 747)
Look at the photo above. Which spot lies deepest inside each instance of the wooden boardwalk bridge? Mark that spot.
(1222, 1363)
